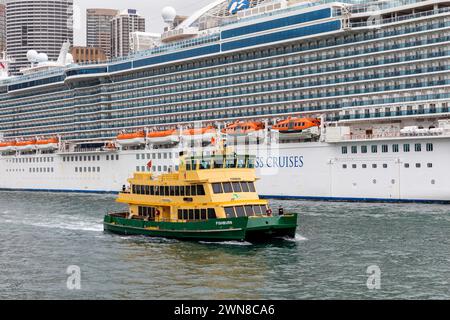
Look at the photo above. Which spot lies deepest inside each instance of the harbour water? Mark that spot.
(42, 234)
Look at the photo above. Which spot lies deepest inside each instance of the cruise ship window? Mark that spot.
(418, 147)
(429, 165)
(344, 150)
(418, 165)
(384, 148)
(374, 165)
(76, 169)
(107, 157)
(98, 158)
(137, 168)
(363, 149)
(137, 157)
(406, 165)
(143, 168)
(364, 166)
(354, 149)
(154, 156)
(344, 166)
(354, 166)
(98, 169)
(117, 157)
(395, 148)
(374, 149)
(148, 156)
(385, 166)
(406, 147)
(429, 147)
(159, 155)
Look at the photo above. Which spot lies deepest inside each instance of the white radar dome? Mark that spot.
(69, 58)
(168, 14)
(32, 55)
(42, 57)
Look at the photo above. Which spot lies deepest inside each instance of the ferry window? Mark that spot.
(363, 149)
(217, 188)
(211, 213)
(218, 163)
(133, 188)
(231, 163)
(395, 148)
(191, 214)
(418, 147)
(227, 187)
(249, 211)
(205, 164)
(240, 211)
(166, 191)
(172, 190)
(147, 190)
(188, 166)
(429, 165)
(418, 165)
(257, 210)
(344, 150)
(185, 214)
(384, 148)
(251, 186)
(182, 193)
(245, 187)
(188, 190)
(196, 214)
(177, 190)
(263, 209)
(429, 147)
(374, 149)
(180, 214)
(354, 149)
(251, 163)
(406, 148)
(406, 165)
(200, 190)
(203, 215)
(229, 211)
(241, 163)
(236, 187)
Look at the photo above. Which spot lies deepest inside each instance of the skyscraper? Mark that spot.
(98, 28)
(41, 25)
(122, 25)
(2, 27)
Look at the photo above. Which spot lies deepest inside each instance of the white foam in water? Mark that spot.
(228, 243)
(297, 238)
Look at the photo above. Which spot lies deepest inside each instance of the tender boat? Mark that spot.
(7, 146)
(244, 130)
(26, 145)
(47, 144)
(297, 128)
(163, 137)
(211, 198)
(205, 134)
(131, 139)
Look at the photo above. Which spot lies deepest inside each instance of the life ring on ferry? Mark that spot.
(157, 213)
(269, 212)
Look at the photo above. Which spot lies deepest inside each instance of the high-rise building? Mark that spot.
(98, 28)
(41, 25)
(87, 54)
(2, 27)
(122, 25)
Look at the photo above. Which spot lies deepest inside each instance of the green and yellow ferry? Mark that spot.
(210, 198)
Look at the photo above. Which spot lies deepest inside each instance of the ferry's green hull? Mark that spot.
(240, 229)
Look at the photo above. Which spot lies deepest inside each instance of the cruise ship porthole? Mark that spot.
(393, 181)
(374, 181)
(433, 181)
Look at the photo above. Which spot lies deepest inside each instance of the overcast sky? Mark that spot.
(150, 9)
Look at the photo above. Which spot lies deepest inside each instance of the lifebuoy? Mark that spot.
(269, 212)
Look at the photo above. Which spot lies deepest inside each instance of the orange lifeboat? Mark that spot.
(131, 139)
(26, 145)
(47, 144)
(163, 137)
(205, 134)
(297, 127)
(7, 146)
(251, 129)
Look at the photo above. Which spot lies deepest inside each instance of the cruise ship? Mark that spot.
(345, 101)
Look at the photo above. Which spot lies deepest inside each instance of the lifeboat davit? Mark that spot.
(295, 128)
(7, 146)
(243, 130)
(47, 144)
(26, 145)
(205, 134)
(131, 139)
(163, 137)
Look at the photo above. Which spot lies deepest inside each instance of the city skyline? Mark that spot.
(150, 11)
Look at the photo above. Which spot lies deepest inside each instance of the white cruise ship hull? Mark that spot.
(309, 170)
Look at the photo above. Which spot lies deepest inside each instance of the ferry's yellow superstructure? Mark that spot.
(210, 197)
